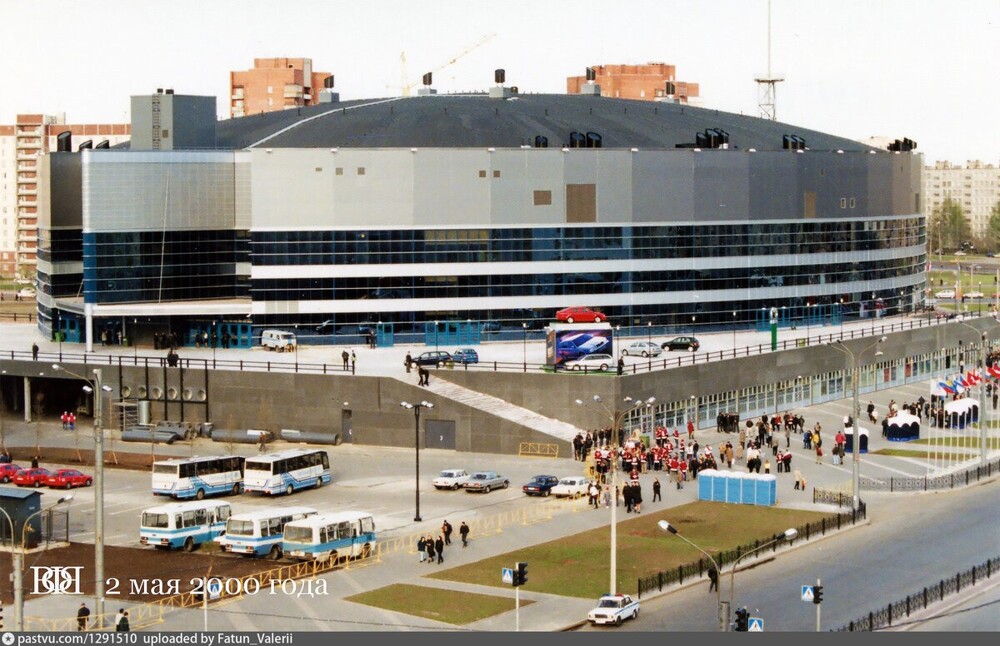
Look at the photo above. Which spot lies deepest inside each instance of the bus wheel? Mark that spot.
(237, 489)
(319, 482)
(333, 558)
(189, 544)
(275, 553)
(200, 495)
(289, 490)
(366, 551)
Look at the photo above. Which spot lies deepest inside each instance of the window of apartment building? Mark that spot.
(361, 170)
(543, 198)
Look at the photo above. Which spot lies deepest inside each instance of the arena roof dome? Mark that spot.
(476, 120)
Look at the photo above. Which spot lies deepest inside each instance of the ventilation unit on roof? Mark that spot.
(793, 142)
(64, 142)
(905, 145)
(498, 91)
(87, 145)
(541, 141)
(104, 145)
(499, 76)
(327, 95)
(593, 140)
(577, 140)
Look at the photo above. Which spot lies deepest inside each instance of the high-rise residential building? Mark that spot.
(20, 145)
(275, 84)
(975, 186)
(649, 82)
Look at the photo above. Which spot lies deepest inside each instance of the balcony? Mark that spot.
(29, 131)
(293, 92)
(32, 143)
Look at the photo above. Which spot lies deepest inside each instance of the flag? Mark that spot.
(994, 370)
(947, 387)
(972, 378)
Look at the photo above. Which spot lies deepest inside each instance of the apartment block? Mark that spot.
(649, 82)
(976, 186)
(20, 146)
(275, 84)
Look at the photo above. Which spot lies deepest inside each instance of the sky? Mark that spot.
(922, 69)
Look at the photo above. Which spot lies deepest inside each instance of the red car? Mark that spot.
(7, 472)
(580, 315)
(34, 477)
(68, 478)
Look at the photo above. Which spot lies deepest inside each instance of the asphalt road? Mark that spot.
(912, 541)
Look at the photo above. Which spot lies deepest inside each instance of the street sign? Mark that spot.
(507, 575)
(755, 625)
(807, 593)
(214, 588)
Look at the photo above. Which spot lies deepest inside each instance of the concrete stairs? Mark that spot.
(504, 409)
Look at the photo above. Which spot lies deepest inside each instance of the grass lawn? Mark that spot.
(450, 606)
(962, 441)
(577, 566)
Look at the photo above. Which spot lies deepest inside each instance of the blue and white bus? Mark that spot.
(198, 476)
(183, 524)
(288, 471)
(330, 537)
(259, 533)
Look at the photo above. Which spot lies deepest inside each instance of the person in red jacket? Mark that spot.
(690, 430)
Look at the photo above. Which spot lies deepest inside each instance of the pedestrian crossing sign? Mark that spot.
(807, 593)
(507, 575)
(755, 625)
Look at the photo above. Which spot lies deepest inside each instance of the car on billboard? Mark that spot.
(580, 315)
(574, 346)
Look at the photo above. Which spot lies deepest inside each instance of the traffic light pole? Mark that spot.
(517, 609)
(819, 587)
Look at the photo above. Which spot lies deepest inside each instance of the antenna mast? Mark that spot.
(766, 84)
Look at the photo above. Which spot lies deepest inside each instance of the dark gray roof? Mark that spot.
(474, 121)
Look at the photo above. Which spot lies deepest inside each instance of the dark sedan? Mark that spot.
(433, 358)
(540, 485)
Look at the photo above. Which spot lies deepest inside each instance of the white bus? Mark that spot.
(330, 537)
(183, 524)
(198, 476)
(287, 471)
(259, 533)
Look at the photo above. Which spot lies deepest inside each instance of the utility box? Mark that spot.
(18, 505)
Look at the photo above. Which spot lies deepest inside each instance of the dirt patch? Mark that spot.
(127, 564)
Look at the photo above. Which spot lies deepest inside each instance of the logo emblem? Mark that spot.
(57, 579)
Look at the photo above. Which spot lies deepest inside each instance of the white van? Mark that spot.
(277, 340)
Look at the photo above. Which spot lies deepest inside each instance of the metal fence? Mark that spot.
(658, 581)
(927, 483)
(883, 617)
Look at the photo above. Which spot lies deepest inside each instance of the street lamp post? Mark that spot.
(416, 445)
(855, 413)
(616, 416)
(723, 615)
(98, 389)
(788, 535)
(436, 335)
(734, 333)
(524, 345)
(17, 559)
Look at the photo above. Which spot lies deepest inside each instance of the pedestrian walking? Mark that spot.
(439, 547)
(422, 549)
(81, 617)
(656, 490)
(122, 626)
(463, 531)
(424, 376)
(446, 530)
(430, 549)
(408, 362)
(354, 361)
(345, 357)
(713, 578)
(34, 352)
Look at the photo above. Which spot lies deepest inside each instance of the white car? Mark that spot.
(26, 292)
(975, 295)
(597, 361)
(614, 609)
(571, 487)
(643, 349)
(947, 293)
(453, 479)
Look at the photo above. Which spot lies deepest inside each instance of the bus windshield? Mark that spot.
(155, 520)
(298, 534)
(239, 527)
(168, 469)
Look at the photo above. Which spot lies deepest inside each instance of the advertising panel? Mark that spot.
(570, 341)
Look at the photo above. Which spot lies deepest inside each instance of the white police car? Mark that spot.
(614, 609)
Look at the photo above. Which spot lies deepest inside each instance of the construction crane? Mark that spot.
(406, 86)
